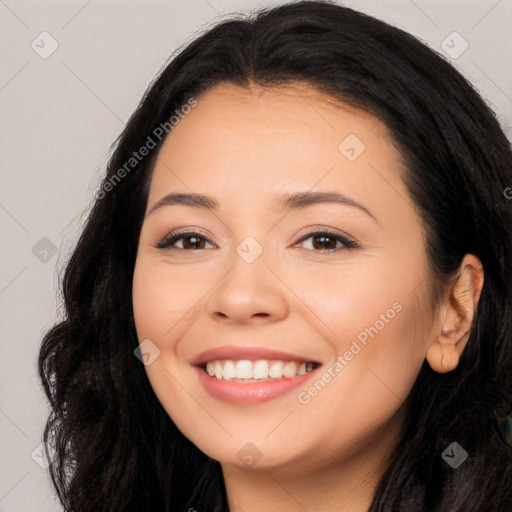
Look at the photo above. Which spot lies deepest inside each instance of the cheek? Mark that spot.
(160, 305)
(376, 365)
(382, 356)
(358, 294)
(161, 298)
(376, 318)
(396, 347)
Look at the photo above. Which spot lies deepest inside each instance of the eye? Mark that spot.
(326, 241)
(190, 241)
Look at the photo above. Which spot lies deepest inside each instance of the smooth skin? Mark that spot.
(245, 147)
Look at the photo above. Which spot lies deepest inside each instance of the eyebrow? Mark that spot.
(284, 201)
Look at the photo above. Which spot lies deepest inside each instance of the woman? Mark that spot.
(292, 291)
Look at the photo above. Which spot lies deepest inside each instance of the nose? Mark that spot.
(248, 292)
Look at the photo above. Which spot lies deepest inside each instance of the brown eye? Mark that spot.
(191, 241)
(325, 241)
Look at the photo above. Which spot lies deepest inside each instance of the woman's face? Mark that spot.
(261, 287)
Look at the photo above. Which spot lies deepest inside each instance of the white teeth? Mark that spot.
(260, 370)
(243, 370)
(229, 370)
(290, 370)
(256, 370)
(276, 370)
(218, 370)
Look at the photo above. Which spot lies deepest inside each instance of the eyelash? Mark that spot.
(172, 238)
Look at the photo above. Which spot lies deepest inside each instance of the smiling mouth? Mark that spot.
(245, 370)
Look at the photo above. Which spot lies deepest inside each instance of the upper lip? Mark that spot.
(250, 353)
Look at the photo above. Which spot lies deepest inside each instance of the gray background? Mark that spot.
(60, 115)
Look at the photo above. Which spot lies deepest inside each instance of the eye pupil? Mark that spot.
(323, 244)
(195, 242)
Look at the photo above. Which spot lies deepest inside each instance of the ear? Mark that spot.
(456, 314)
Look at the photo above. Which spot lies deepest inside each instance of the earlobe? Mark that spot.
(442, 357)
(456, 316)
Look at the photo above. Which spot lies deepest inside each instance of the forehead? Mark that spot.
(294, 115)
(246, 149)
(297, 99)
(279, 139)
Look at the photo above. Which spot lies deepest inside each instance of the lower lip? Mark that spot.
(251, 392)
